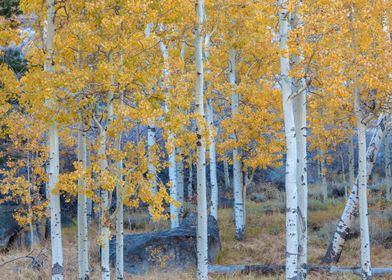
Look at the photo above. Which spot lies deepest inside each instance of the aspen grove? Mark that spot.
(195, 139)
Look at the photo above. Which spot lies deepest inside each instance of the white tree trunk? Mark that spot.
(291, 155)
(388, 168)
(347, 218)
(213, 177)
(105, 217)
(180, 179)
(237, 169)
(119, 210)
(54, 204)
(351, 168)
(202, 215)
(82, 208)
(54, 164)
(171, 149)
(302, 181)
(362, 191)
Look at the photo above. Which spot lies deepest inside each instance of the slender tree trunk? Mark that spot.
(119, 208)
(119, 221)
(388, 168)
(347, 218)
(202, 215)
(362, 191)
(82, 208)
(351, 168)
(237, 168)
(213, 177)
(180, 179)
(323, 173)
(302, 181)
(171, 149)
(54, 162)
(226, 172)
(105, 217)
(54, 204)
(291, 154)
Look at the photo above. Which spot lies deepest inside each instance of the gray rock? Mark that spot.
(169, 250)
(9, 228)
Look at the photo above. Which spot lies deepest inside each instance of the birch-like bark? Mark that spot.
(347, 218)
(291, 154)
(180, 179)
(237, 169)
(202, 215)
(302, 181)
(105, 217)
(171, 149)
(119, 209)
(351, 168)
(54, 162)
(211, 140)
(119, 223)
(366, 273)
(388, 168)
(213, 177)
(151, 135)
(83, 268)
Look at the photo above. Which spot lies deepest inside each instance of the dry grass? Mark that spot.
(264, 243)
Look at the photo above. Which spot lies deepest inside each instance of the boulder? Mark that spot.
(9, 228)
(168, 250)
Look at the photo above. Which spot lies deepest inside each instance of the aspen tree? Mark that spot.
(120, 193)
(83, 263)
(300, 116)
(212, 153)
(347, 219)
(362, 190)
(351, 166)
(291, 154)
(202, 215)
(54, 198)
(211, 140)
(104, 209)
(237, 167)
(174, 210)
(151, 134)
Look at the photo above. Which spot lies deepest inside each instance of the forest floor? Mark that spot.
(264, 243)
